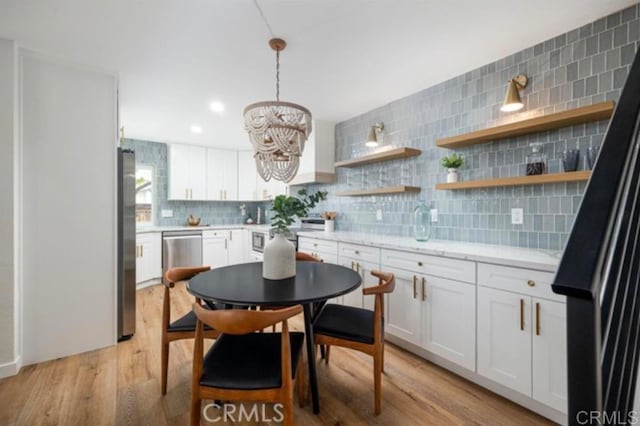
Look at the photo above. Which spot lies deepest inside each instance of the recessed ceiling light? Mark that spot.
(217, 106)
(196, 129)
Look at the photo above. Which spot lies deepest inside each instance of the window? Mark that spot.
(144, 195)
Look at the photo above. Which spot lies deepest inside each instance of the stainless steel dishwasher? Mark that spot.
(181, 248)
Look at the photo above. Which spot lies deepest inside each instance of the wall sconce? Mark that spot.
(512, 101)
(374, 134)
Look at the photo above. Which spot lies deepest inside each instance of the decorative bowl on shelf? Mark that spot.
(193, 221)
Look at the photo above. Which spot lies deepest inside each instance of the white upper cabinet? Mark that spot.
(316, 164)
(187, 172)
(222, 174)
(247, 176)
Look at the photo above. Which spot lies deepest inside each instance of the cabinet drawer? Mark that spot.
(222, 233)
(358, 252)
(524, 281)
(312, 245)
(460, 270)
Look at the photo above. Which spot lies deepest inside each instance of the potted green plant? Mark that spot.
(452, 163)
(279, 254)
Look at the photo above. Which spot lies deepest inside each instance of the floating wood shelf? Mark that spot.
(596, 112)
(380, 191)
(392, 154)
(518, 180)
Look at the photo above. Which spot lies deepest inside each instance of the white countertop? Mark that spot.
(149, 229)
(545, 260)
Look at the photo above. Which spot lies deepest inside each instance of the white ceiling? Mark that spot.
(344, 57)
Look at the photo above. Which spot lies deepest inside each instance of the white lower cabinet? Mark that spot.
(522, 344)
(214, 249)
(402, 318)
(504, 338)
(363, 260)
(148, 256)
(435, 313)
(550, 353)
(448, 319)
(238, 252)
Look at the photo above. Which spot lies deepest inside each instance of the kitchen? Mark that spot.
(464, 181)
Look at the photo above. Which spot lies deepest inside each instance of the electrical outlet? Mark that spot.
(517, 216)
(379, 214)
(434, 215)
(167, 213)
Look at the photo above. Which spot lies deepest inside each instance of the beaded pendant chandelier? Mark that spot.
(278, 130)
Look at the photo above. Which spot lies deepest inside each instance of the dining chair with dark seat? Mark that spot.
(357, 328)
(246, 366)
(183, 327)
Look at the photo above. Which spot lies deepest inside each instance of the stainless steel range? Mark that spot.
(306, 224)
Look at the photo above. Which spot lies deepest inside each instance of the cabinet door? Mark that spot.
(504, 338)
(247, 176)
(178, 172)
(152, 252)
(355, 297)
(403, 307)
(449, 319)
(214, 252)
(365, 268)
(222, 174)
(187, 172)
(550, 353)
(236, 246)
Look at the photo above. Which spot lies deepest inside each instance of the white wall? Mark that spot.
(8, 183)
(68, 141)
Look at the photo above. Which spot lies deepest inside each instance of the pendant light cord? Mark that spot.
(278, 75)
(264, 19)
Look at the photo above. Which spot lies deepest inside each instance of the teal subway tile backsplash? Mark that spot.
(579, 68)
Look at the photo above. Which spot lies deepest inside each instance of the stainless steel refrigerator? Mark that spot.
(126, 243)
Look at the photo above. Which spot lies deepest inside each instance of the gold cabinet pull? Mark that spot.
(415, 291)
(225, 194)
(230, 235)
(522, 314)
(358, 267)
(537, 319)
(419, 263)
(424, 289)
(221, 196)
(531, 283)
(186, 193)
(353, 264)
(357, 252)
(225, 243)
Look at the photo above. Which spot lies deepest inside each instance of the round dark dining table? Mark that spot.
(313, 285)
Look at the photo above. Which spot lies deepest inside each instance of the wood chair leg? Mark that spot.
(377, 379)
(164, 359)
(196, 408)
(382, 357)
(327, 352)
(288, 412)
(300, 382)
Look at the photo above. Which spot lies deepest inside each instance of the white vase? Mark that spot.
(452, 176)
(329, 225)
(279, 258)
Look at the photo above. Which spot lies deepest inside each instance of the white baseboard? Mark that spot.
(10, 368)
(149, 283)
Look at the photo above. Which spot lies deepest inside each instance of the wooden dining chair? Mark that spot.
(183, 327)
(357, 328)
(246, 366)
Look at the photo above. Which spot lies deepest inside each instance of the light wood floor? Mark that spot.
(121, 386)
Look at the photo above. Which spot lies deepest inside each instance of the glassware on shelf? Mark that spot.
(570, 160)
(421, 222)
(536, 160)
(592, 154)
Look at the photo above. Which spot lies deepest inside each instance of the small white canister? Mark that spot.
(329, 225)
